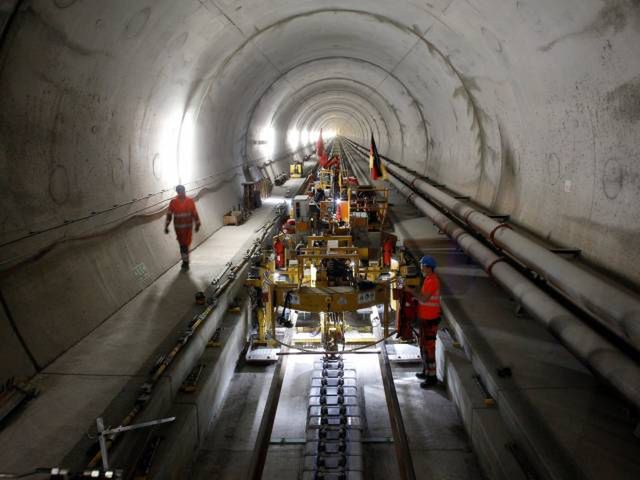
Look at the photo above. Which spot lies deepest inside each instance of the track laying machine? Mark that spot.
(331, 265)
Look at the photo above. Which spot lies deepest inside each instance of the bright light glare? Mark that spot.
(328, 133)
(293, 138)
(168, 149)
(267, 142)
(304, 137)
(186, 150)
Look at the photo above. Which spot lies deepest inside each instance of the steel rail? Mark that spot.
(401, 443)
(263, 440)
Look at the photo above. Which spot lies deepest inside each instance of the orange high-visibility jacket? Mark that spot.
(430, 310)
(184, 213)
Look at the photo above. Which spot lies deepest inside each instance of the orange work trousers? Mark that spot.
(428, 335)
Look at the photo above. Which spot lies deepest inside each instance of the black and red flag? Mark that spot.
(375, 164)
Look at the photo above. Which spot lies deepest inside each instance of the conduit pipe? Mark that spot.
(616, 309)
(597, 353)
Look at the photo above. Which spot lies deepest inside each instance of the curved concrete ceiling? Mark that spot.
(530, 107)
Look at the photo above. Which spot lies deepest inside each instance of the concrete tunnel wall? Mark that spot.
(532, 107)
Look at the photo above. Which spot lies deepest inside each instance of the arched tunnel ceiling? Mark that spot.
(530, 107)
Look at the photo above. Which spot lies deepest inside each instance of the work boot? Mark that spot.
(185, 265)
(430, 381)
(421, 375)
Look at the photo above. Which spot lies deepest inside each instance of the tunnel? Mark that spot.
(526, 110)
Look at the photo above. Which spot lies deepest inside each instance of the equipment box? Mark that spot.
(234, 217)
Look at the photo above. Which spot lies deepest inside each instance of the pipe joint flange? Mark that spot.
(493, 233)
(467, 215)
(492, 264)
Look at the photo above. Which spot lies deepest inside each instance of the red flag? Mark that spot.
(324, 159)
(320, 146)
(375, 164)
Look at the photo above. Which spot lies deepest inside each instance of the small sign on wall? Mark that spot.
(140, 272)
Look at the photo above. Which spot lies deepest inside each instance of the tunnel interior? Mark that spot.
(530, 107)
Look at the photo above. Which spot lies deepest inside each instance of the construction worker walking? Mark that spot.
(429, 314)
(182, 210)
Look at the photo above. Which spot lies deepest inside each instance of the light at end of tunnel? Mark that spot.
(328, 134)
(304, 136)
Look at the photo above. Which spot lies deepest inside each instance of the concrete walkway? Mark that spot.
(100, 375)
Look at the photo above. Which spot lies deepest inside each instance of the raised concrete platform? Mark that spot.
(196, 411)
(100, 375)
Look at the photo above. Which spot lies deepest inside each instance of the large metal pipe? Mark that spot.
(597, 353)
(617, 309)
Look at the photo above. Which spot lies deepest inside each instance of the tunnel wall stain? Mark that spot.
(625, 101)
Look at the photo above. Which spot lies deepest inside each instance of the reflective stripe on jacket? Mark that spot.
(184, 212)
(430, 310)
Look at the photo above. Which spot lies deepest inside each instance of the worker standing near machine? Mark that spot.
(429, 314)
(183, 211)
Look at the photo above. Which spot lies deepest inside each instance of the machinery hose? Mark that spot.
(361, 347)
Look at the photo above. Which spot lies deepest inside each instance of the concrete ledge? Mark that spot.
(484, 425)
(196, 411)
(552, 408)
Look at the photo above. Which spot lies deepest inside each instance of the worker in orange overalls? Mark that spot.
(183, 211)
(429, 314)
(388, 247)
(278, 248)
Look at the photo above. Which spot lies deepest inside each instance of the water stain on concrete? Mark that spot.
(613, 17)
(63, 3)
(179, 41)
(136, 25)
(506, 199)
(118, 173)
(612, 179)
(59, 184)
(624, 101)
(464, 91)
(56, 35)
(553, 168)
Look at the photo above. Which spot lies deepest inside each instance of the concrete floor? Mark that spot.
(100, 374)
